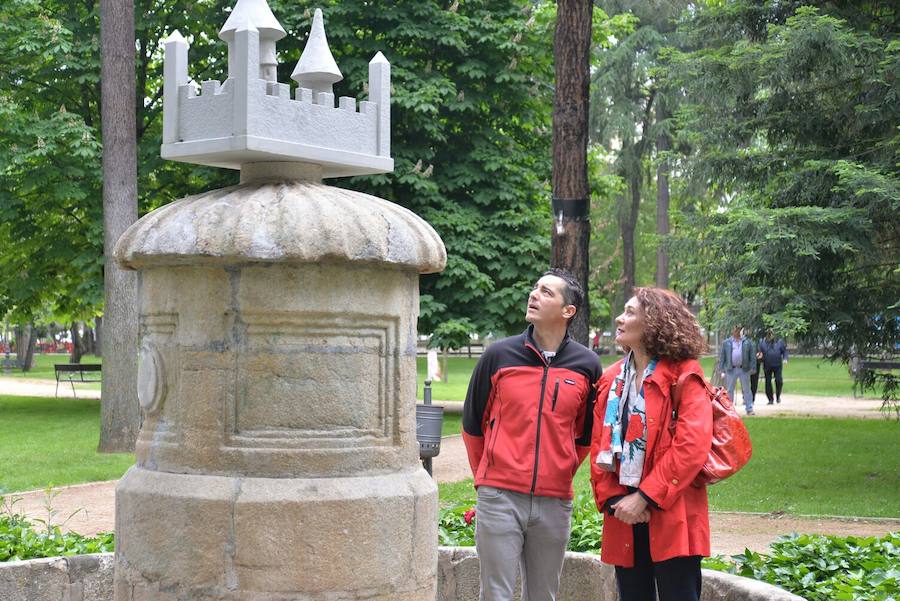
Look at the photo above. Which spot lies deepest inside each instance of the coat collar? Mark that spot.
(529, 339)
(664, 374)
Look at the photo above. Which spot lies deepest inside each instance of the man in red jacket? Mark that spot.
(527, 427)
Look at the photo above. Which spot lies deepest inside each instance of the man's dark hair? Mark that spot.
(573, 293)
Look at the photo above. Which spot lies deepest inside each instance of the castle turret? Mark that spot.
(260, 15)
(316, 68)
(251, 117)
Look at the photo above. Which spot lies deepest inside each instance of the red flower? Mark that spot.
(469, 516)
(635, 428)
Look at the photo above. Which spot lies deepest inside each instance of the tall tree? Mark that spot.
(793, 119)
(624, 112)
(119, 409)
(663, 144)
(571, 195)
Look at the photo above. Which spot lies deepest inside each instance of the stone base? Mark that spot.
(184, 536)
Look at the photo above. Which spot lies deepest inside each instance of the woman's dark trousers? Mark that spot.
(676, 579)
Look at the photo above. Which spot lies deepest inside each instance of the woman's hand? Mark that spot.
(632, 509)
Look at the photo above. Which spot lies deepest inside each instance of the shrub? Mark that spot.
(824, 568)
(20, 539)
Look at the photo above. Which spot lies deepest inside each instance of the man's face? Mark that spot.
(736, 332)
(546, 303)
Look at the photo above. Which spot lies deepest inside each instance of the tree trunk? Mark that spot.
(119, 412)
(77, 344)
(571, 195)
(445, 359)
(28, 363)
(98, 336)
(25, 347)
(627, 225)
(662, 201)
(88, 340)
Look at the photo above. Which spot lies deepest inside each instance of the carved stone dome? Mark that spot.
(283, 222)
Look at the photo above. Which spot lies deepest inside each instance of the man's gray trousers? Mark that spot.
(516, 531)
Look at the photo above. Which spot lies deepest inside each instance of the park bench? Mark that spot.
(76, 372)
(860, 368)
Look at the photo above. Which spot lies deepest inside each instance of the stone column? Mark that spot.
(277, 457)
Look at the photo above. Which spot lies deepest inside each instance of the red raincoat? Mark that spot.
(680, 527)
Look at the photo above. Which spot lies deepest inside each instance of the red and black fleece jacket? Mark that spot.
(527, 422)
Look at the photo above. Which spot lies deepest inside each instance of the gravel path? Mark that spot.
(30, 387)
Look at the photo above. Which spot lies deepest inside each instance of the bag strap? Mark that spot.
(678, 387)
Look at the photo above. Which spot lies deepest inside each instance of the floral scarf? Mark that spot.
(624, 397)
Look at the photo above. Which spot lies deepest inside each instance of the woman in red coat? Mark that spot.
(644, 457)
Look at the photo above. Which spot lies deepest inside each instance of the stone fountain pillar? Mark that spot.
(277, 458)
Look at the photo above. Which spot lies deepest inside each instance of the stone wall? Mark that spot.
(90, 578)
(76, 578)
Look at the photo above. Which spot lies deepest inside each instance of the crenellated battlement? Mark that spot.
(251, 117)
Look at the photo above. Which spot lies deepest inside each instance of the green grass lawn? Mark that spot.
(802, 375)
(47, 441)
(43, 366)
(800, 466)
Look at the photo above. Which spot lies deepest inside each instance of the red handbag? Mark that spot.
(731, 448)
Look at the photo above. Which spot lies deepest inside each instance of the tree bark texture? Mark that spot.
(25, 340)
(88, 340)
(119, 412)
(77, 344)
(628, 223)
(571, 233)
(98, 336)
(662, 202)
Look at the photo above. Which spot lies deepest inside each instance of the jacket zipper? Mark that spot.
(555, 394)
(493, 441)
(537, 436)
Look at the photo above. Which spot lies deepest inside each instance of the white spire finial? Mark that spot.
(176, 36)
(256, 12)
(316, 68)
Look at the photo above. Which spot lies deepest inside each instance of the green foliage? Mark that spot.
(20, 539)
(824, 568)
(452, 334)
(453, 530)
(790, 124)
(587, 524)
(51, 222)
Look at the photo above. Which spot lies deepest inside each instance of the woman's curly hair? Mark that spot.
(670, 329)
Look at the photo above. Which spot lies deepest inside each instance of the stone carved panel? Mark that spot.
(157, 335)
(151, 381)
(158, 324)
(314, 381)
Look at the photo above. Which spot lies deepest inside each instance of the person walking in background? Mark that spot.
(774, 356)
(737, 359)
(754, 375)
(527, 427)
(645, 454)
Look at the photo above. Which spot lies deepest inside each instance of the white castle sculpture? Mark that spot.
(252, 118)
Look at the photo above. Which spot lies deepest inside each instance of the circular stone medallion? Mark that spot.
(151, 383)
